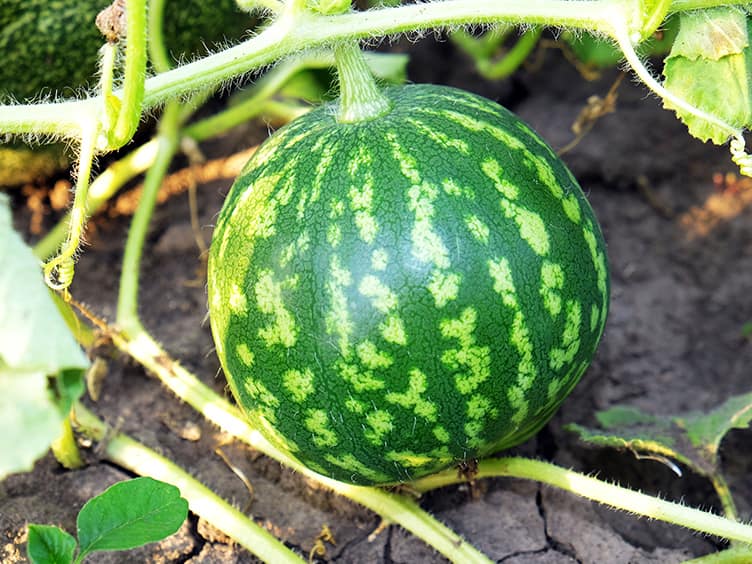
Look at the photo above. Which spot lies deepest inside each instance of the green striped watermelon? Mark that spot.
(394, 296)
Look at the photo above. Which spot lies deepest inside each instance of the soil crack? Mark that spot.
(553, 544)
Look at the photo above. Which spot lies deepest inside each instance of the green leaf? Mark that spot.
(36, 349)
(130, 514)
(706, 431)
(49, 545)
(692, 439)
(710, 66)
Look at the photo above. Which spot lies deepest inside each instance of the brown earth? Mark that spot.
(680, 247)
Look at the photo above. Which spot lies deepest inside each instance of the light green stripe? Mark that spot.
(439, 137)
(269, 298)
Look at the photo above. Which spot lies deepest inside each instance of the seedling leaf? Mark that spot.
(130, 514)
(710, 66)
(36, 348)
(49, 545)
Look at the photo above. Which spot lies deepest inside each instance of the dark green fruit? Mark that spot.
(394, 296)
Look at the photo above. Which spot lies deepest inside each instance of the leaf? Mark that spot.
(707, 431)
(35, 346)
(49, 545)
(711, 34)
(29, 417)
(692, 439)
(710, 66)
(130, 514)
(33, 334)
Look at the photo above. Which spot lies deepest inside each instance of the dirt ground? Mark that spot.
(680, 248)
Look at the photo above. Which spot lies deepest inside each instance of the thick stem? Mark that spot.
(602, 492)
(735, 555)
(132, 455)
(158, 55)
(291, 35)
(309, 31)
(168, 142)
(724, 494)
(359, 97)
(135, 73)
(65, 449)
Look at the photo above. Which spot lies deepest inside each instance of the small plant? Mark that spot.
(126, 515)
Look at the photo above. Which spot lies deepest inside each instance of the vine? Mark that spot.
(297, 34)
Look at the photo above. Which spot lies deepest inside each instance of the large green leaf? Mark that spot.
(710, 66)
(130, 514)
(40, 362)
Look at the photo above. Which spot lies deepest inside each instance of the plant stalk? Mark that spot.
(168, 141)
(597, 490)
(304, 31)
(135, 73)
(65, 449)
(359, 97)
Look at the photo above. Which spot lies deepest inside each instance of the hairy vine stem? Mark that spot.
(297, 30)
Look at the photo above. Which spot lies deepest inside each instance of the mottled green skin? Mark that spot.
(469, 212)
(50, 47)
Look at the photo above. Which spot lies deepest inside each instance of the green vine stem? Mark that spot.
(134, 75)
(735, 555)
(724, 495)
(65, 448)
(512, 59)
(655, 18)
(359, 99)
(168, 141)
(157, 49)
(597, 490)
(101, 190)
(132, 455)
(297, 32)
(391, 507)
(622, 35)
(110, 103)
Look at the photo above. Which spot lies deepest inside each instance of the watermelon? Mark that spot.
(397, 295)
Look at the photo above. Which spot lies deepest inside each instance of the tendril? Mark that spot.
(739, 155)
(58, 271)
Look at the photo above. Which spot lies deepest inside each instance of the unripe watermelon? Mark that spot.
(394, 296)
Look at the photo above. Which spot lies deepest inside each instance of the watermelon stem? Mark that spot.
(588, 487)
(360, 98)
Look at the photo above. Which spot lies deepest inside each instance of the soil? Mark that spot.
(679, 233)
